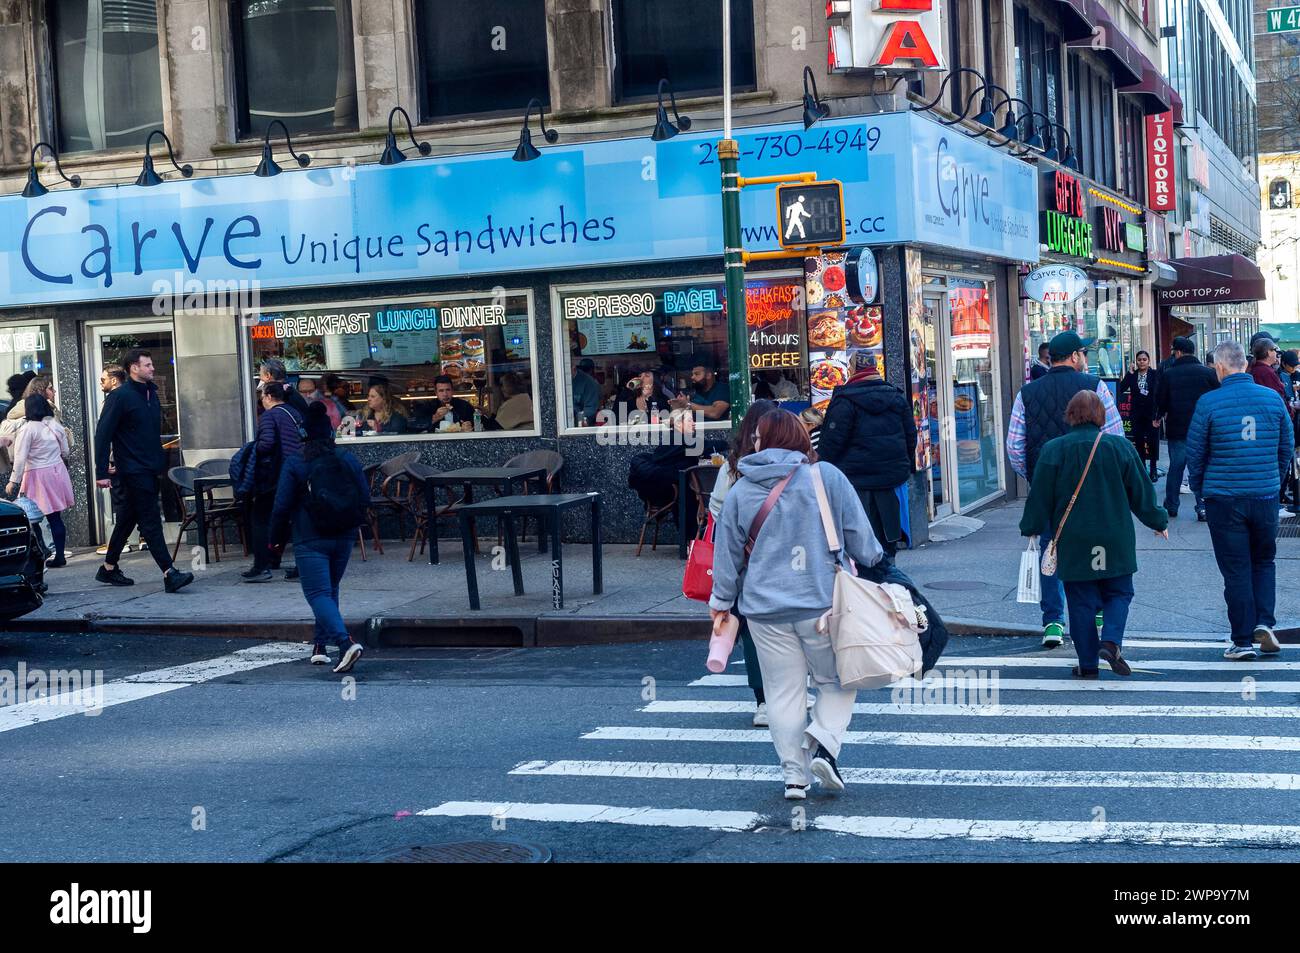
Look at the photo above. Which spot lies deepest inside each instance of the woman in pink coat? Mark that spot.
(39, 470)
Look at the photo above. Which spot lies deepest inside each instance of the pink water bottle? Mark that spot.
(722, 642)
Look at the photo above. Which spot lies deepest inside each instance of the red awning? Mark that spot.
(1154, 91)
(1214, 279)
(1075, 22)
(1126, 59)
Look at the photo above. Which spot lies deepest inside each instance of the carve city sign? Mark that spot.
(1056, 284)
(884, 34)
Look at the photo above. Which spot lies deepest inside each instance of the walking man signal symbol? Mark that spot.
(795, 216)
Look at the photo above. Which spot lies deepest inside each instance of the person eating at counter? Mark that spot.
(516, 410)
(712, 397)
(386, 414)
(450, 413)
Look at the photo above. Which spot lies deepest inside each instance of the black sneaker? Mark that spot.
(56, 562)
(291, 572)
(251, 573)
(262, 575)
(177, 579)
(824, 767)
(348, 658)
(319, 655)
(1200, 515)
(113, 577)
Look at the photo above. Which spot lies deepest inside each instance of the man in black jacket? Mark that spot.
(130, 433)
(1181, 386)
(869, 434)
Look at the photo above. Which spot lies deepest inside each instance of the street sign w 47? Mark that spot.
(1283, 19)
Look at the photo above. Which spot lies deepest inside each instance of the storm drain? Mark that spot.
(467, 852)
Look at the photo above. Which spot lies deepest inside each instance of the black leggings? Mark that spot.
(58, 531)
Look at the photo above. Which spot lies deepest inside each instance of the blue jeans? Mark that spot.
(1052, 595)
(1174, 479)
(321, 564)
(1109, 596)
(1244, 534)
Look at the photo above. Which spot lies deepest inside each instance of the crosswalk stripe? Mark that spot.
(24, 714)
(1221, 644)
(693, 707)
(962, 740)
(674, 771)
(1157, 664)
(599, 813)
(1162, 833)
(1105, 684)
(90, 699)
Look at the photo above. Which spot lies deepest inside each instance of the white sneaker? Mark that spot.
(1268, 643)
(1240, 653)
(796, 792)
(760, 716)
(318, 656)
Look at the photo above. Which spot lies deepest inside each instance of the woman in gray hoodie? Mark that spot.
(785, 586)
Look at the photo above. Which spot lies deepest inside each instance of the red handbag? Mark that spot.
(697, 582)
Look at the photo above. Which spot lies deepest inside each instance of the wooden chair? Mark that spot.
(217, 513)
(656, 513)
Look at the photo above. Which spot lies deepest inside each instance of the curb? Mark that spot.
(486, 631)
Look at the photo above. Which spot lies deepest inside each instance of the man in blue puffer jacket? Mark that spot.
(1239, 445)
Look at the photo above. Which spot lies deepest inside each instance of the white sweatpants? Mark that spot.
(787, 653)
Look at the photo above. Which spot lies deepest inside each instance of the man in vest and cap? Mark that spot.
(1039, 416)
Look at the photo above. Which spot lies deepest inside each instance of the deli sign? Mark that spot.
(883, 35)
(1160, 161)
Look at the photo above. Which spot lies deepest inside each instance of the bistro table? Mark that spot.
(502, 479)
(202, 487)
(685, 532)
(545, 507)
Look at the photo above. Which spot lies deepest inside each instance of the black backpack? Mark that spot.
(333, 501)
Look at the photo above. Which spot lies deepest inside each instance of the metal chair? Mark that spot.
(552, 461)
(217, 513)
(218, 466)
(701, 480)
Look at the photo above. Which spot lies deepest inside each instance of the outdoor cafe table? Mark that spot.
(202, 485)
(546, 508)
(502, 479)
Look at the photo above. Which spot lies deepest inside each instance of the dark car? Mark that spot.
(22, 564)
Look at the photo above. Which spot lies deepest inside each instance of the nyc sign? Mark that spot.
(884, 35)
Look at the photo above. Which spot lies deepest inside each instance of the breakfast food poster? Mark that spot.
(837, 328)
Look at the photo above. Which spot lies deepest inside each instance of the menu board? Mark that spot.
(615, 335)
(405, 347)
(516, 339)
(837, 329)
(346, 350)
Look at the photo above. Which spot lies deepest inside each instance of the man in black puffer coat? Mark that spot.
(870, 435)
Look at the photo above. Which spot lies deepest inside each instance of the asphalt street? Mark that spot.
(236, 750)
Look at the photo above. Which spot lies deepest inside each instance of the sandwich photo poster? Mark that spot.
(837, 328)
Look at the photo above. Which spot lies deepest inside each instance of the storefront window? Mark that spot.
(637, 351)
(385, 362)
(1108, 317)
(680, 41)
(25, 347)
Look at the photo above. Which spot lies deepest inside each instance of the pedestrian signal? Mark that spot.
(810, 214)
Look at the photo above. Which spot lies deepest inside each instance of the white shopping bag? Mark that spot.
(1030, 588)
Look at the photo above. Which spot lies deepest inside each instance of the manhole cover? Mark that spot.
(467, 852)
(954, 584)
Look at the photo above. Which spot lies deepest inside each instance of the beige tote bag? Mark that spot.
(873, 626)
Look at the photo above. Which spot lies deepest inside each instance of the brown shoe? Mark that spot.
(1109, 653)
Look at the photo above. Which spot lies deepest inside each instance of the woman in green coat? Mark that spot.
(1097, 549)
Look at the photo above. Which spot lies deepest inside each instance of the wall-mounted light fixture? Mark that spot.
(663, 128)
(526, 151)
(34, 189)
(814, 109)
(268, 166)
(148, 177)
(393, 155)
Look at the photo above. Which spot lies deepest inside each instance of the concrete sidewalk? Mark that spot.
(971, 580)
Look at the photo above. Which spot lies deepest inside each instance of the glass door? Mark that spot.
(973, 442)
(934, 310)
(107, 344)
